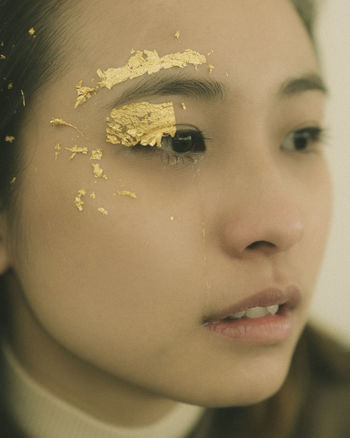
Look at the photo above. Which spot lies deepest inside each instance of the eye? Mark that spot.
(187, 146)
(302, 139)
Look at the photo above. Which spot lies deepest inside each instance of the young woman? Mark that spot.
(163, 221)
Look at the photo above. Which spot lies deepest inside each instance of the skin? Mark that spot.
(107, 311)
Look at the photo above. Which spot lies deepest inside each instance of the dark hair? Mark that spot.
(31, 60)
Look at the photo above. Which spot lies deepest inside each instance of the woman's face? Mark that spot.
(130, 292)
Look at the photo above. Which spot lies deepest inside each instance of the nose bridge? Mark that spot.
(263, 213)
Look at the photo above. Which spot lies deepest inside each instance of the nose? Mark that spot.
(264, 217)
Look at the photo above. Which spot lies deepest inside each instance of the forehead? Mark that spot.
(240, 31)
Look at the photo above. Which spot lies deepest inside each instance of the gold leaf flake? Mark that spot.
(60, 122)
(172, 218)
(10, 86)
(77, 150)
(13, 180)
(210, 68)
(93, 195)
(84, 93)
(2, 44)
(177, 34)
(210, 52)
(96, 154)
(132, 51)
(9, 138)
(31, 31)
(57, 149)
(125, 193)
(98, 171)
(103, 211)
(2, 56)
(141, 123)
(148, 61)
(23, 98)
(183, 106)
(78, 201)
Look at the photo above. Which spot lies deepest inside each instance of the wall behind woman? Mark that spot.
(331, 306)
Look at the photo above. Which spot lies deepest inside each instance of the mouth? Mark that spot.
(263, 318)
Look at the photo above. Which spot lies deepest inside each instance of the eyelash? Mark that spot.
(313, 134)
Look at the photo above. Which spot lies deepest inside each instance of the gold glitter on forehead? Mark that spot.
(150, 62)
(141, 123)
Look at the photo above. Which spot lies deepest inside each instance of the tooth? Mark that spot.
(237, 315)
(256, 312)
(273, 309)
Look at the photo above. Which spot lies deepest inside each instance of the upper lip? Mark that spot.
(289, 296)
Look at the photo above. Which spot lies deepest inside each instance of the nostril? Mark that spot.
(260, 243)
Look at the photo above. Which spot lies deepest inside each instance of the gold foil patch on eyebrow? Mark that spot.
(23, 98)
(150, 62)
(57, 150)
(125, 193)
(57, 121)
(77, 150)
(78, 201)
(141, 123)
(98, 171)
(177, 34)
(103, 211)
(96, 154)
(9, 138)
(84, 93)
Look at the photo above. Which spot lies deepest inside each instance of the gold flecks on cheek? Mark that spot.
(141, 123)
(78, 201)
(84, 93)
(96, 154)
(103, 211)
(57, 121)
(77, 150)
(98, 171)
(177, 34)
(23, 98)
(125, 193)
(9, 138)
(150, 62)
(57, 149)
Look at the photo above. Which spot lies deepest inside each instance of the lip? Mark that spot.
(266, 330)
(290, 297)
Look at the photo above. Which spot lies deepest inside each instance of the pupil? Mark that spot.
(182, 144)
(301, 141)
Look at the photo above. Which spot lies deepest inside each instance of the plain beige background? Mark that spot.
(331, 306)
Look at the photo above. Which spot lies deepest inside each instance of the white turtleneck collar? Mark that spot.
(41, 414)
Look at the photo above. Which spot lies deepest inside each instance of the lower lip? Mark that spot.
(267, 330)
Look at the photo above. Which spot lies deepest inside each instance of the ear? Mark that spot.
(4, 253)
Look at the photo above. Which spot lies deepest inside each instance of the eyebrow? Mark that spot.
(207, 89)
